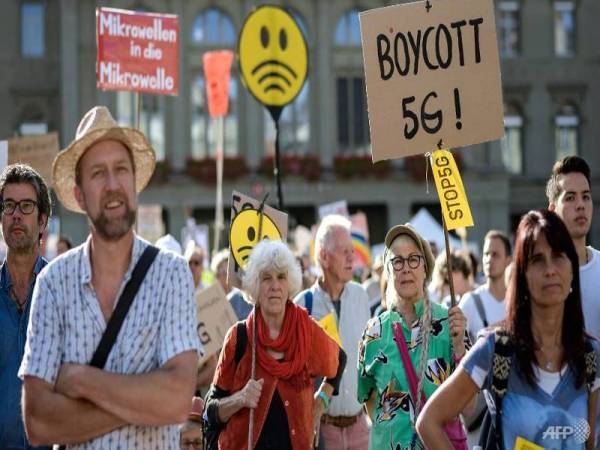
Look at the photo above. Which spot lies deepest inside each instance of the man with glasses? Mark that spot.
(342, 308)
(25, 207)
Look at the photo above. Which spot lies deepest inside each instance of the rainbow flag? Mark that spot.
(362, 251)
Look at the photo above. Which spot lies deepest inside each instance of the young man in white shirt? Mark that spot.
(485, 305)
(569, 196)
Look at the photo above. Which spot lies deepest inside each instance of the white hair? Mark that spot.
(220, 256)
(271, 255)
(323, 238)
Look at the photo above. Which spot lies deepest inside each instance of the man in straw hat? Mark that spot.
(149, 376)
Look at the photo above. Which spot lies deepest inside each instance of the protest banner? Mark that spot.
(215, 317)
(360, 240)
(273, 59)
(451, 192)
(248, 227)
(339, 207)
(35, 151)
(150, 224)
(137, 51)
(432, 74)
(217, 71)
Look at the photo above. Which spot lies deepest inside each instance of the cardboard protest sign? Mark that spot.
(248, 229)
(450, 189)
(217, 71)
(137, 51)
(432, 73)
(35, 151)
(215, 317)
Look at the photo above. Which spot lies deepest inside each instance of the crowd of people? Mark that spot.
(99, 347)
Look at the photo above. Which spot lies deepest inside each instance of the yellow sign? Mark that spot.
(273, 56)
(330, 326)
(524, 444)
(244, 234)
(451, 191)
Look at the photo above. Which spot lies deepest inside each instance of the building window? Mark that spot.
(204, 136)
(508, 28)
(33, 29)
(512, 143)
(353, 123)
(294, 126)
(212, 27)
(564, 28)
(566, 125)
(151, 118)
(347, 30)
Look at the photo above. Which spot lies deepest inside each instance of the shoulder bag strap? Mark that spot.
(125, 300)
(411, 375)
(480, 308)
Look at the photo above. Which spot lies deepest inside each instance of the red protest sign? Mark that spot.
(217, 70)
(137, 51)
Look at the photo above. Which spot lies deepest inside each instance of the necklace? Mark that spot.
(549, 363)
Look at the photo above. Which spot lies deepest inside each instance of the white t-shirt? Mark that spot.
(494, 310)
(589, 279)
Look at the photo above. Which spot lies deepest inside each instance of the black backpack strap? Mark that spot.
(480, 308)
(241, 342)
(503, 352)
(125, 300)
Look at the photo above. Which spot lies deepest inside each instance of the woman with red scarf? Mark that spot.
(291, 351)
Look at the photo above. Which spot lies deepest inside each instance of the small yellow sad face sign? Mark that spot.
(273, 56)
(243, 235)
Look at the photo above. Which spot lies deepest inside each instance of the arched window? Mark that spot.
(33, 29)
(512, 143)
(203, 133)
(213, 27)
(294, 125)
(347, 30)
(508, 17)
(566, 131)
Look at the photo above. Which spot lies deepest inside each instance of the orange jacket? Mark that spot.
(323, 361)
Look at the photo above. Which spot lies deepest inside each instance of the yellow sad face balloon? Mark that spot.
(273, 56)
(243, 235)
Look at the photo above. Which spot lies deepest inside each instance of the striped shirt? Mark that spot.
(66, 324)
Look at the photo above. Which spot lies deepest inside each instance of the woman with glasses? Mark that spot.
(539, 365)
(430, 338)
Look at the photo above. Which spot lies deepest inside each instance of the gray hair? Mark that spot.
(271, 255)
(323, 239)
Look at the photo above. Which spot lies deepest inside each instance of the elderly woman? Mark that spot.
(415, 331)
(539, 365)
(291, 350)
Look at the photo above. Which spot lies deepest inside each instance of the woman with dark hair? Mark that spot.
(538, 365)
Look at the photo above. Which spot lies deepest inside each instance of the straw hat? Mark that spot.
(422, 244)
(98, 125)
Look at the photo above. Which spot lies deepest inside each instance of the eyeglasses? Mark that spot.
(413, 262)
(195, 262)
(25, 206)
(196, 444)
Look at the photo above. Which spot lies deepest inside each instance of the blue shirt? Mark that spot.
(13, 332)
(556, 420)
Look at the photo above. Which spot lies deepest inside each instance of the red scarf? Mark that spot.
(293, 341)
